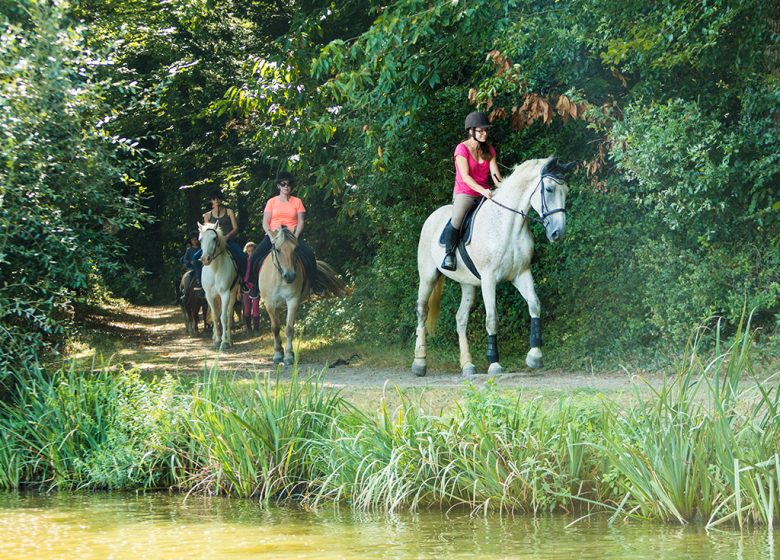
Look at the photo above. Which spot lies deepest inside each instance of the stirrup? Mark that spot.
(254, 293)
(449, 262)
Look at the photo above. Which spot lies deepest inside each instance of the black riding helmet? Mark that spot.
(477, 119)
(286, 176)
(193, 233)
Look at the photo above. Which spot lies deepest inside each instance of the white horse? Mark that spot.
(500, 249)
(219, 281)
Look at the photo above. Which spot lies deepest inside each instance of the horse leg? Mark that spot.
(278, 353)
(227, 318)
(427, 283)
(216, 335)
(525, 285)
(289, 332)
(467, 293)
(491, 324)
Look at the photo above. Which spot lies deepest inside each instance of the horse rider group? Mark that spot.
(283, 209)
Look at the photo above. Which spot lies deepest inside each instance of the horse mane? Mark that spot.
(524, 175)
(288, 235)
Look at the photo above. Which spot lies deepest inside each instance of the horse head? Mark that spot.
(284, 244)
(549, 197)
(212, 242)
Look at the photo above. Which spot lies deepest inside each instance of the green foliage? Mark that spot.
(364, 102)
(66, 188)
(99, 429)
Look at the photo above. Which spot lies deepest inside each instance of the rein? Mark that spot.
(545, 213)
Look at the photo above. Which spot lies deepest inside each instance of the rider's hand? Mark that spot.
(488, 193)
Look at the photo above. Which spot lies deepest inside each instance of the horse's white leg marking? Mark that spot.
(427, 282)
(467, 297)
(289, 331)
(525, 285)
(491, 320)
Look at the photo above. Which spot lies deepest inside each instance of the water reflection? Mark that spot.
(167, 527)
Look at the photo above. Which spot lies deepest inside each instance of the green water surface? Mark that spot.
(100, 526)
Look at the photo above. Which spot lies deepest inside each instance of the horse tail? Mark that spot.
(434, 305)
(328, 280)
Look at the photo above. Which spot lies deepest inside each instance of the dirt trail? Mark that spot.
(153, 338)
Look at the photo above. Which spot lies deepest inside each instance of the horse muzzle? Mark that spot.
(555, 231)
(206, 260)
(289, 277)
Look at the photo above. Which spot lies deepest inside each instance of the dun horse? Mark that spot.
(219, 282)
(285, 281)
(500, 249)
(192, 303)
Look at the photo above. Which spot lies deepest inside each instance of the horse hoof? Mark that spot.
(495, 369)
(289, 360)
(533, 360)
(419, 368)
(469, 370)
(278, 358)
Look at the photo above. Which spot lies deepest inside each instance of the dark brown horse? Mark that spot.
(192, 303)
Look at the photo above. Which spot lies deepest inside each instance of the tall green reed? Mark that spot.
(704, 445)
(73, 429)
(250, 437)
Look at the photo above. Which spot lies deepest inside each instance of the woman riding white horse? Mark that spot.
(219, 281)
(500, 249)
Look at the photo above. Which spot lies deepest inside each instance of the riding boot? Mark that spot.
(248, 324)
(254, 291)
(451, 236)
(256, 325)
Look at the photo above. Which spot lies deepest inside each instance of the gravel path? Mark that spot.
(153, 338)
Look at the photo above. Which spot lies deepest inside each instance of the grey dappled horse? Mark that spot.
(500, 249)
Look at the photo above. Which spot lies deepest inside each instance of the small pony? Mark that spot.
(500, 250)
(285, 281)
(219, 281)
(193, 302)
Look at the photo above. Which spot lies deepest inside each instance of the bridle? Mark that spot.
(275, 256)
(219, 251)
(546, 213)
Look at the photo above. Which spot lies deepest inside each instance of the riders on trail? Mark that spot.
(190, 262)
(225, 219)
(282, 210)
(475, 164)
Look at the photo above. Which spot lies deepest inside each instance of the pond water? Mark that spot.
(101, 526)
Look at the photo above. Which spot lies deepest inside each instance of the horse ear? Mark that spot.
(566, 167)
(554, 167)
(550, 166)
(200, 227)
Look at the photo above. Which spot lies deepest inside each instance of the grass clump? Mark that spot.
(702, 447)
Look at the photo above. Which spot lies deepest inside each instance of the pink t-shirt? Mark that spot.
(479, 171)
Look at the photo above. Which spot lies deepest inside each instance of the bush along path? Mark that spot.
(702, 447)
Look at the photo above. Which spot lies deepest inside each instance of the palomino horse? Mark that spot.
(283, 282)
(501, 248)
(219, 281)
(193, 302)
